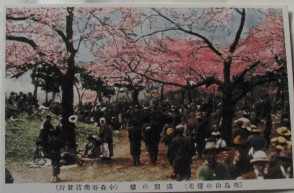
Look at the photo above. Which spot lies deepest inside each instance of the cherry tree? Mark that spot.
(123, 61)
(235, 56)
(54, 36)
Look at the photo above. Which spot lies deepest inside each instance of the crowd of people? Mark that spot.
(189, 131)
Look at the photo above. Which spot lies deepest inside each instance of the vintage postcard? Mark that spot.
(146, 98)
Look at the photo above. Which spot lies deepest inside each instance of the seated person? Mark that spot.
(39, 154)
(68, 156)
(92, 148)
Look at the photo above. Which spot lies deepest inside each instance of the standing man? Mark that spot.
(180, 155)
(212, 169)
(106, 136)
(55, 144)
(44, 132)
(152, 138)
(135, 140)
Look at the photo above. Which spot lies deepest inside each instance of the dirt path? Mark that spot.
(120, 169)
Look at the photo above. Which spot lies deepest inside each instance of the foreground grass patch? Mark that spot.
(22, 134)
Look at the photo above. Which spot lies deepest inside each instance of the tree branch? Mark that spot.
(191, 33)
(238, 34)
(25, 40)
(264, 79)
(197, 73)
(240, 76)
(16, 18)
(81, 39)
(22, 18)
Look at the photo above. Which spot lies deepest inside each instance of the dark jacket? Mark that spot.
(276, 173)
(242, 167)
(105, 133)
(250, 176)
(44, 132)
(135, 140)
(152, 135)
(257, 142)
(180, 151)
(55, 144)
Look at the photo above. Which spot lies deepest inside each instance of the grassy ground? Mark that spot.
(22, 134)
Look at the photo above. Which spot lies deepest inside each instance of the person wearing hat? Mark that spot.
(45, 132)
(240, 129)
(135, 138)
(212, 169)
(106, 136)
(259, 162)
(168, 132)
(283, 131)
(238, 162)
(284, 168)
(279, 143)
(180, 153)
(255, 141)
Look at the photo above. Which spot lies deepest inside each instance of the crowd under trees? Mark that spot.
(217, 52)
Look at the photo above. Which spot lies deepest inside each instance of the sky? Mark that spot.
(222, 37)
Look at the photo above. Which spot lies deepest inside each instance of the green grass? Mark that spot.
(22, 134)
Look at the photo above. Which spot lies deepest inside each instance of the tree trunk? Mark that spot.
(95, 101)
(79, 95)
(36, 83)
(127, 96)
(100, 98)
(53, 97)
(68, 130)
(135, 96)
(162, 93)
(227, 117)
(277, 97)
(35, 92)
(190, 95)
(46, 100)
(282, 105)
(183, 96)
(228, 106)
